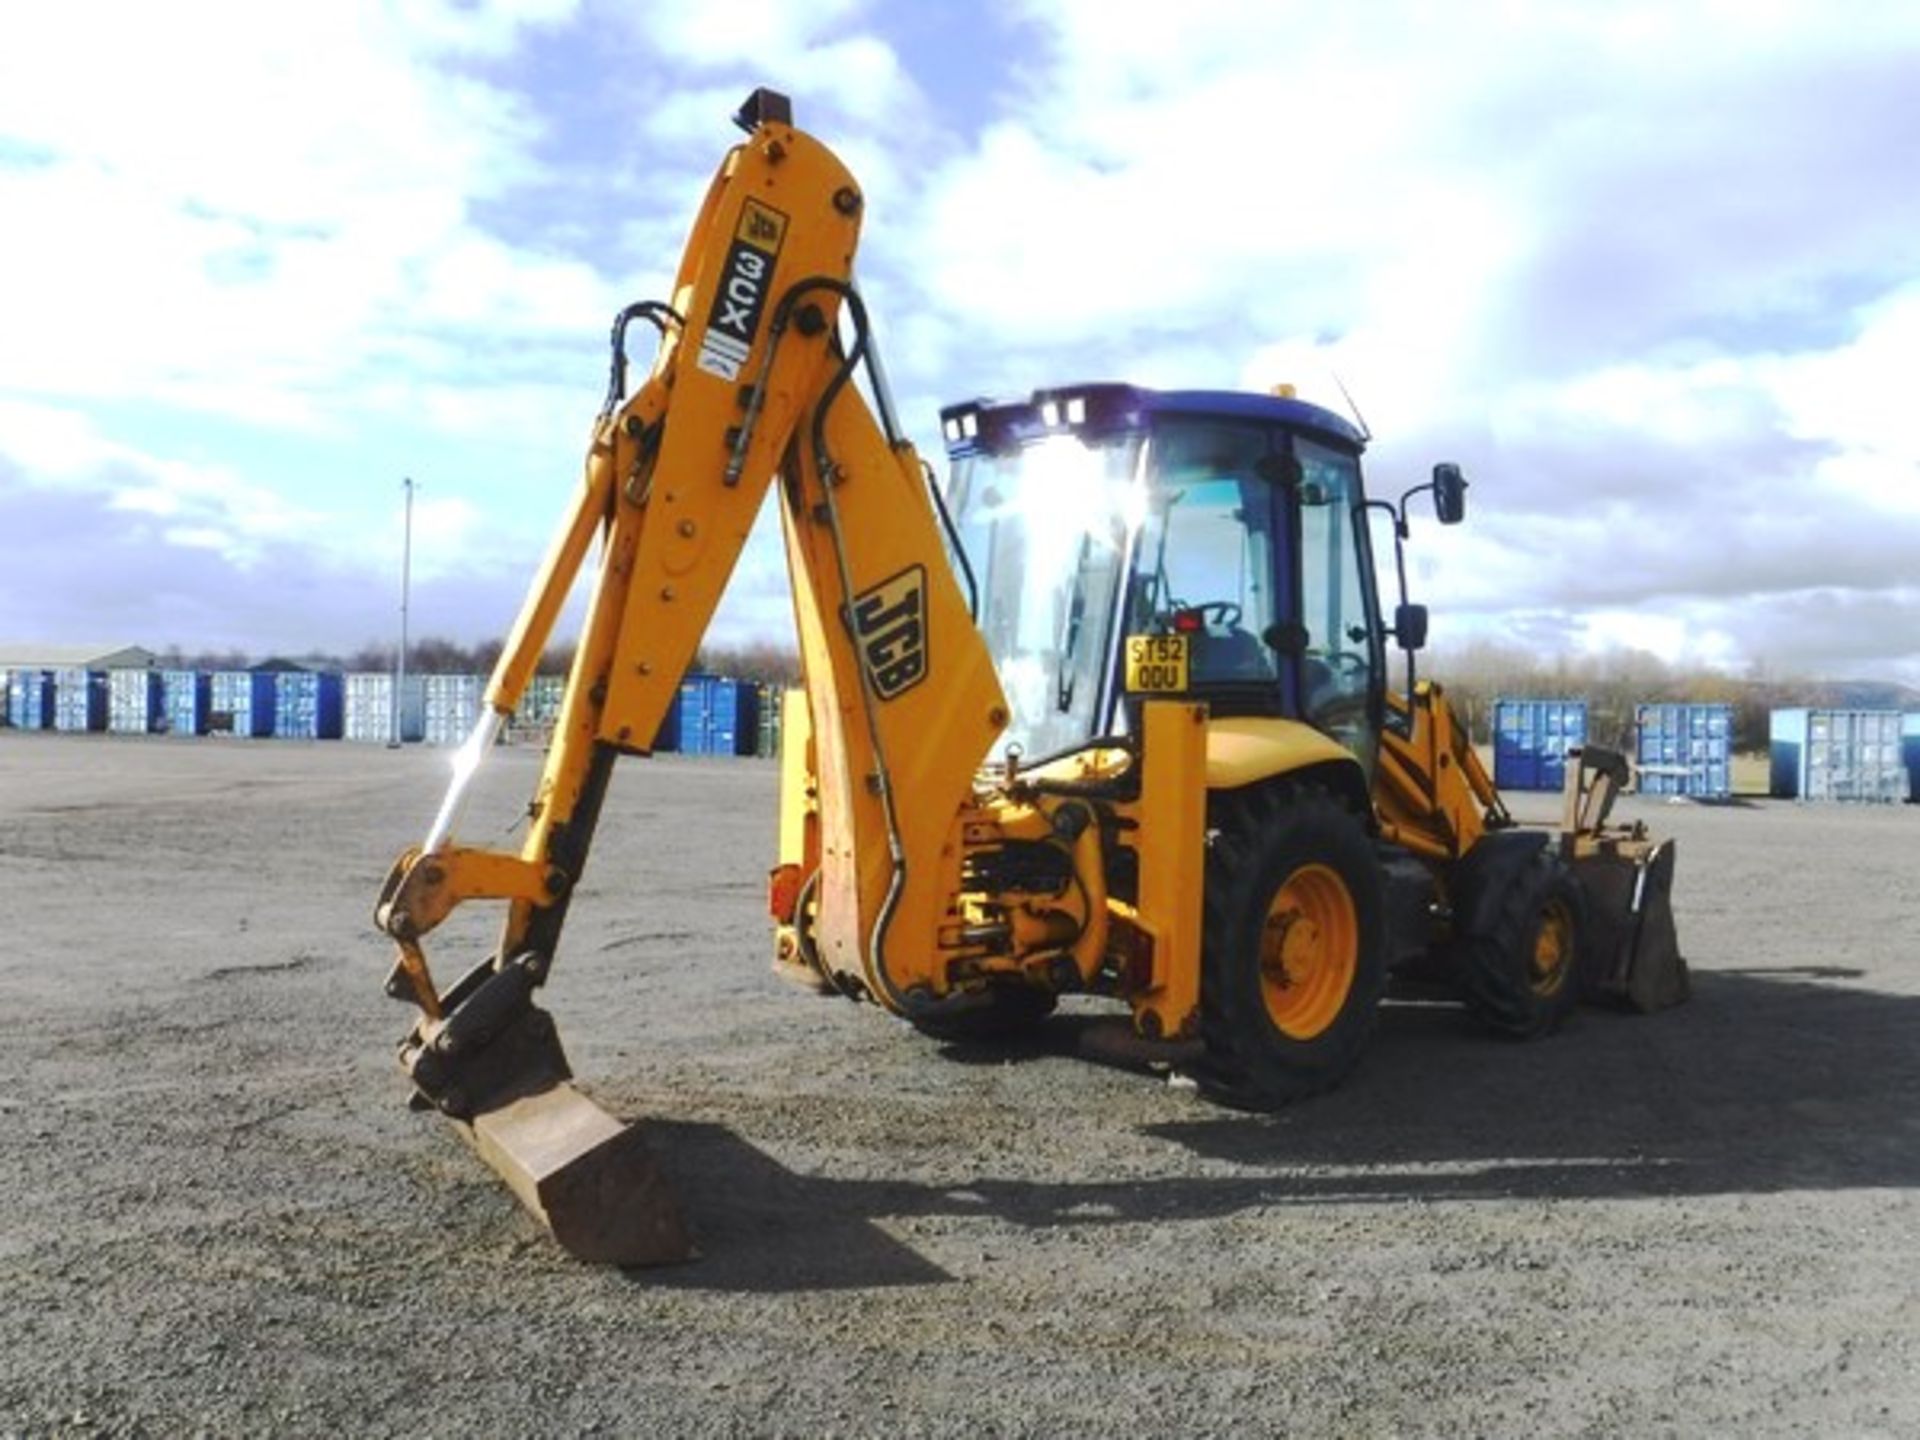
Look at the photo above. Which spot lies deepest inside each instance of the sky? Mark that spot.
(1650, 272)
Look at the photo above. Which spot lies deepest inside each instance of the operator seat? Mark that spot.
(1230, 653)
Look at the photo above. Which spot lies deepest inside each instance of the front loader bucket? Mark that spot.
(587, 1177)
(1633, 958)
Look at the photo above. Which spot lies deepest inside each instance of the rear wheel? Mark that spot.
(1520, 971)
(1294, 953)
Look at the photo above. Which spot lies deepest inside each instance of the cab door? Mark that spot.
(1342, 659)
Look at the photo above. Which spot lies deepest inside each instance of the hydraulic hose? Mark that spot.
(824, 465)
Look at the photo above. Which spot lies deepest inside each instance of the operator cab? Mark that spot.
(1124, 544)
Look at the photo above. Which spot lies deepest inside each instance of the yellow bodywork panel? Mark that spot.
(1176, 752)
(1244, 750)
(799, 807)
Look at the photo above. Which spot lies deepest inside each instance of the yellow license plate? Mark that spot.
(1156, 664)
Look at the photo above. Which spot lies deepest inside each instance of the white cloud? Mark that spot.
(1647, 269)
(270, 199)
(752, 31)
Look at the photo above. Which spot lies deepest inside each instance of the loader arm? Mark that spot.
(753, 380)
(1430, 790)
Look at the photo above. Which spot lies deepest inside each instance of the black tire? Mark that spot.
(1004, 1013)
(1519, 966)
(1271, 1036)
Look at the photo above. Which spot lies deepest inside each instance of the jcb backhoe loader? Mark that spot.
(1111, 715)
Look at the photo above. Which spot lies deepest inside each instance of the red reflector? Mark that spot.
(783, 891)
(1188, 622)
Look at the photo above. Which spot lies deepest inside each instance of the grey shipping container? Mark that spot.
(539, 708)
(1910, 754)
(1836, 755)
(134, 701)
(452, 706)
(767, 744)
(186, 701)
(1531, 739)
(368, 707)
(80, 700)
(306, 704)
(30, 699)
(1685, 750)
(240, 703)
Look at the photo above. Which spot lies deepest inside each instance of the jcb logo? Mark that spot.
(762, 226)
(890, 627)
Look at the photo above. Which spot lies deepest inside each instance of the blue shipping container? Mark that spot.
(80, 701)
(666, 739)
(185, 702)
(1836, 755)
(1685, 750)
(241, 703)
(30, 699)
(1531, 739)
(308, 705)
(718, 716)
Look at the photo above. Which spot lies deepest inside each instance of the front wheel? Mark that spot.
(1294, 946)
(1520, 969)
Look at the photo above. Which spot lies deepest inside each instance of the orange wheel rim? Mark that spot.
(1550, 962)
(1309, 952)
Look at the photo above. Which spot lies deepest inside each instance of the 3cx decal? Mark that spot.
(740, 299)
(890, 627)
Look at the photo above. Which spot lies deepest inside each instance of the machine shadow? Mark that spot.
(1769, 1081)
(760, 1227)
(1766, 1083)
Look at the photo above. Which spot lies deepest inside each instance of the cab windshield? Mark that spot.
(1206, 566)
(1243, 538)
(1047, 528)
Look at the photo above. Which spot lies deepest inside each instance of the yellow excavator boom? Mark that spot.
(752, 381)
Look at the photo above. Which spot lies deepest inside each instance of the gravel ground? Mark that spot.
(221, 1217)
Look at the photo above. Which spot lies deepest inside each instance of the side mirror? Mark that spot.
(1410, 626)
(1449, 493)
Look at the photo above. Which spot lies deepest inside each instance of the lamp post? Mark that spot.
(406, 584)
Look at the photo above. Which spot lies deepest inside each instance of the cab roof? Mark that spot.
(975, 425)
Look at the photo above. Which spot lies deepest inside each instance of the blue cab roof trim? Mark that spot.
(1142, 405)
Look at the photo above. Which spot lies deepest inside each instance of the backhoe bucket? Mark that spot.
(1633, 958)
(495, 1067)
(587, 1177)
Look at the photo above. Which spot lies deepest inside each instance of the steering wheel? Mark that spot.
(1216, 614)
(1340, 662)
